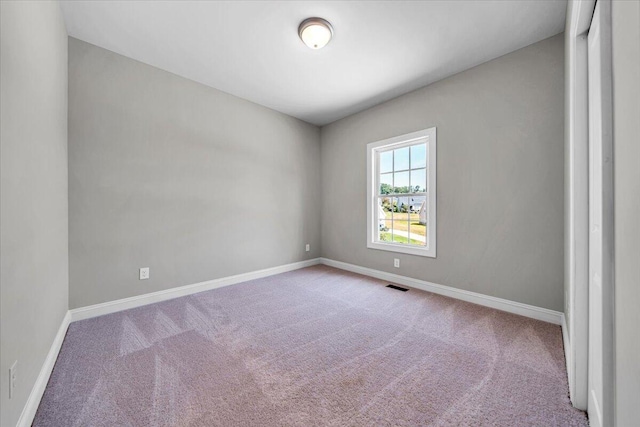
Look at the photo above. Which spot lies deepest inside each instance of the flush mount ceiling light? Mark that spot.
(315, 32)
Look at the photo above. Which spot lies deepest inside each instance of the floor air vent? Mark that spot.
(397, 288)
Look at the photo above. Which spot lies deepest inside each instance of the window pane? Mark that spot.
(401, 159)
(385, 233)
(421, 223)
(419, 156)
(415, 203)
(418, 230)
(386, 203)
(383, 218)
(405, 232)
(400, 231)
(400, 216)
(401, 209)
(402, 234)
(390, 205)
(401, 182)
(386, 161)
(386, 183)
(418, 180)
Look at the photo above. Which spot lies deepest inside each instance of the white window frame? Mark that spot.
(427, 136)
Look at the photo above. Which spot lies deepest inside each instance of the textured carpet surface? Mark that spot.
(312, 347)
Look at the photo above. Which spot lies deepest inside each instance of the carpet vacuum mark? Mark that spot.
(312, 347)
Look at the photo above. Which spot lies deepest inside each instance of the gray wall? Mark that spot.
(626, 141)
(500, 177)
(33, 215)
(169, 174)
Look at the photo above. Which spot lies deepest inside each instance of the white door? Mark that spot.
(600, 223)
(595, 226)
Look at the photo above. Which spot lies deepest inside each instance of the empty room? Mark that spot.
(320, 213)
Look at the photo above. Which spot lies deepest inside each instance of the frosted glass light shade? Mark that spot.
(315, 32)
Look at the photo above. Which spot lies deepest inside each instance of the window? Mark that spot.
(401, 192)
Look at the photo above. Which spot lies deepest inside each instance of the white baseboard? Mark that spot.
(30, 408)
(29, 411)
(33, 401)
(526, 310)
(150, 298)
(568, 354)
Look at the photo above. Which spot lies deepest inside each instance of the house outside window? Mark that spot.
(401, 193)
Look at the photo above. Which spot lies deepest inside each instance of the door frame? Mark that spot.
(576, 331)
(608, 289)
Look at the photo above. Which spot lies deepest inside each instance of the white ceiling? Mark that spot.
(251, 49)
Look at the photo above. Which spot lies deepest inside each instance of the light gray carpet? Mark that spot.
(313, 347)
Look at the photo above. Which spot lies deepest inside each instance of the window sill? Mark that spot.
(390, 247)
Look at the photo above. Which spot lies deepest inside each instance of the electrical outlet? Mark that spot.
(307, 248)
(396, 263)
(144, 273)
(13, 376)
